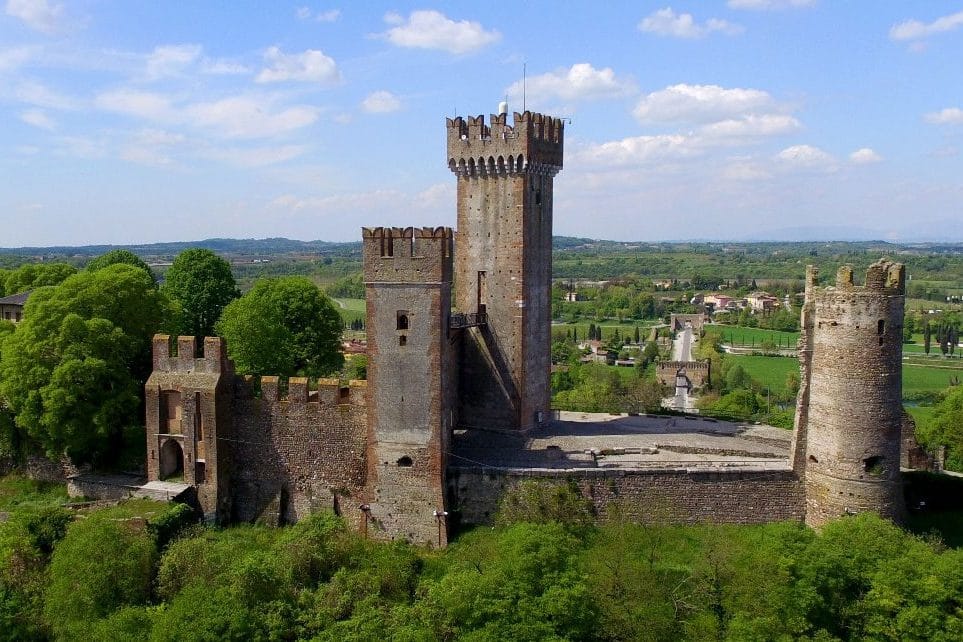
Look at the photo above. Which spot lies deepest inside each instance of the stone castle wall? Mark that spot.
(298, 452)
(696, 372)
(644, 496)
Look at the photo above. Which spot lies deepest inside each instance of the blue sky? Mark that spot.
(139, 121)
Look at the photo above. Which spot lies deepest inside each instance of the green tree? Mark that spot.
(73, 371)
(283, 326)
(119, 256)
(101, 565)
(35, 275)
(945, 427)
(201, 284)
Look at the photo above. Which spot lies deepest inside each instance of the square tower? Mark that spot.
(503, 264)
(411, 380)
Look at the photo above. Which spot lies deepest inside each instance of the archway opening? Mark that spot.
(171, 460)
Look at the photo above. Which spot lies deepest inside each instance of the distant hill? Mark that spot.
(275, 247)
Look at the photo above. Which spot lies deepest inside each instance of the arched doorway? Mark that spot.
(171, 460)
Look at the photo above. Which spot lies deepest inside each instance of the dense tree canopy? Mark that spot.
(119, 256)
(73, 370)
(200, 283)
(283, 326)
(35, 275)
(945, 427)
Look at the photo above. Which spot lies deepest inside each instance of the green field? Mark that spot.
(768, 371)
(772, 371)
(742, 336)
(626, 330)
(350, 309)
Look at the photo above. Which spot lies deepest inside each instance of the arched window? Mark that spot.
(402, 319)
(405, 462)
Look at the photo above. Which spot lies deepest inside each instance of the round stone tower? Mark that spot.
(847, 444)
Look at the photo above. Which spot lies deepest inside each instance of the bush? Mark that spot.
(98, 567)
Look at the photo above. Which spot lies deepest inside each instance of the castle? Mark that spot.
(459, 350)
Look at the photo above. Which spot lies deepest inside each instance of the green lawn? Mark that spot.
(768, 371)
(20, 492)
(608, 328)
(350, 309)
(356, 305)
(742, 336)
(771, 371)
(918, 379)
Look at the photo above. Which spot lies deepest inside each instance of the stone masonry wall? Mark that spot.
(666, 496)
(503, 262)
(297, 453)
(854, 417)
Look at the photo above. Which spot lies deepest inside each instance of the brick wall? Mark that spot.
(675, 496)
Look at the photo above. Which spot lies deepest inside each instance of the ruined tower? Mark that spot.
(412, 380)
(847, 441)
(503, 264)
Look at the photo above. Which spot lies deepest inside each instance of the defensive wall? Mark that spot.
(256, 449)
(678, 322)
(673, 495)
(696, 373)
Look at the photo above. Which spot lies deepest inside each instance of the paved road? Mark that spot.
(682, 351)
(682, 346)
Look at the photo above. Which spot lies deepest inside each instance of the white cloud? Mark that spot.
(38, 118)
(766, 5)
(231, 117)
(305, 13)
(581, 81)
(666, 22)
(639, 150)
(40, 95)
(40, 15)
(223, 67)
(169, 60)
(865, 156)
(915, 30)
(428, 29)
(700, 104)
(743, 169)
(806, 157)
(751, 125)
(140, 104)
(381, 102)
(948, 116)
(311, 66)
(248, 117)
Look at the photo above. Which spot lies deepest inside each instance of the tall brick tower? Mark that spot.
(503, 264)
(412, 380)
(847, 442)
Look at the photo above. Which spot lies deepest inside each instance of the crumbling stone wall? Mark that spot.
(643, 496)
(851, 417)
(504, 264)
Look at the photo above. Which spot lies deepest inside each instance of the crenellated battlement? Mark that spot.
(533, 145)
(882, 277)
(300, 390)
(181, 354)
(407, 254)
